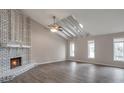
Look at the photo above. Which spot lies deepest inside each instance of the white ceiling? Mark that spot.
(94, 21)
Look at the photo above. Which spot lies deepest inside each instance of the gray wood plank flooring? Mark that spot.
(71, 72)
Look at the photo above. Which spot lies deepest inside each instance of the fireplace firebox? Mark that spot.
(15, 62)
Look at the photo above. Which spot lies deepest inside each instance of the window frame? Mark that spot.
(91, 42)
(116, 40)
(72, 49)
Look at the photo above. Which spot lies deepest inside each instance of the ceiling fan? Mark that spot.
(55, 27)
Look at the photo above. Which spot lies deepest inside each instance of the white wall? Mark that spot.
(46, 46)
(103, 49)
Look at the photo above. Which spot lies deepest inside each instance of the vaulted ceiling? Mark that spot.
(94, 21)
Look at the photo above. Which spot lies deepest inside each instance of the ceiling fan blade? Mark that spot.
(60, 30)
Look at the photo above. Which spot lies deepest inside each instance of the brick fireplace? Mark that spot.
(15, 43)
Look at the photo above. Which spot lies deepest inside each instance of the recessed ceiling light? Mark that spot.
(81, 25)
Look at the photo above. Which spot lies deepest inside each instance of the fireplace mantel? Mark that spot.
(14, 46)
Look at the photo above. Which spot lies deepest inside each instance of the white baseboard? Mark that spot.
(47, 62)
(112, 65)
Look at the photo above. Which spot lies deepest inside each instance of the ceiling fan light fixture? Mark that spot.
(53, 30)
(54, 27)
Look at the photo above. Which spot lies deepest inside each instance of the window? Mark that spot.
(91, 49)
(72, 49)
(118, 49)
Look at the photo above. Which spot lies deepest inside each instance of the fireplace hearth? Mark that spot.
(15, 62)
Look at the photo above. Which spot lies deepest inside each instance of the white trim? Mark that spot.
(117, 40)
(47, 62)
(89, 51)
(112, 65)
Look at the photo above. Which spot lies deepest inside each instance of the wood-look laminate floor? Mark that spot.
(71, 72)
